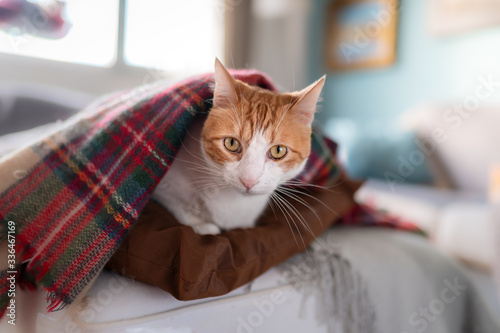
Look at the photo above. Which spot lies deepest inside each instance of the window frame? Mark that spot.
(92, 79)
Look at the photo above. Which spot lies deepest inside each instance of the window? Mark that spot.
(168, 35)
(91, 40)
(173, 35)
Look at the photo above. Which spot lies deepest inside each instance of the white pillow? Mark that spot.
(464, 144)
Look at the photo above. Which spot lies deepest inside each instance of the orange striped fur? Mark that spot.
(241, 111)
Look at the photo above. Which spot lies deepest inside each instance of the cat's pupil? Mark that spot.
(232, 142)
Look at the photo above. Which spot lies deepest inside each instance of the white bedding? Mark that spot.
(16, 140)
(403, 275)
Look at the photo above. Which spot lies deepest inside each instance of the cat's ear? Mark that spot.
(225, 87)
(305, 106)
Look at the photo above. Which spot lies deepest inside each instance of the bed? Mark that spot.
(373, 280)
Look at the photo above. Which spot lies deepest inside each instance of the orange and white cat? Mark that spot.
(252, 141)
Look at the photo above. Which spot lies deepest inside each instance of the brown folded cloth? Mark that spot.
(162, 252)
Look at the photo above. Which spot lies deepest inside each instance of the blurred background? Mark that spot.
(383, 58)
(412, 92)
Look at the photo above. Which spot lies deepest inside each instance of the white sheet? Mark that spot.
(403, 274)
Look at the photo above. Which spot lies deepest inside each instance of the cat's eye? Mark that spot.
(232, 144)
(277, 152)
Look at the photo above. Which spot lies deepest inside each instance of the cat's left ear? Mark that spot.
(305, 106)
(225, 87)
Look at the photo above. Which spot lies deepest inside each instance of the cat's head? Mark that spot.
(258, 139)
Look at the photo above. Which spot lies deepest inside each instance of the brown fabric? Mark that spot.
(162, 252)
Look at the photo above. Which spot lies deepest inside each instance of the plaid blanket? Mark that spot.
(68, 201)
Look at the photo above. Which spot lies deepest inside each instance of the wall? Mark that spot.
(429, 69)
(278, 40)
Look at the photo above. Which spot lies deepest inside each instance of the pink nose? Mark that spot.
(248, 182)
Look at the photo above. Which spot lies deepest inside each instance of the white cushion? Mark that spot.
(463, 142)
(460, 223)
(419, 204)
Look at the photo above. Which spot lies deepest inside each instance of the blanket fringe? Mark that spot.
(56, 301)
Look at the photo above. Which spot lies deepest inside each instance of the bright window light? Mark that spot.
(91, 40)
(173, 36)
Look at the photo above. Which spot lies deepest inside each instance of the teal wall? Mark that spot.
(429, 69)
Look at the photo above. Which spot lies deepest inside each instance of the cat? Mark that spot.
(230, 163)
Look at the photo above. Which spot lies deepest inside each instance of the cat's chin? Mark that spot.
(251, 193)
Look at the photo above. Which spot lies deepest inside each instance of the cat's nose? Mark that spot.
(248, 182)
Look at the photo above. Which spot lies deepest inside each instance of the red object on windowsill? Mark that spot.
(35, 17)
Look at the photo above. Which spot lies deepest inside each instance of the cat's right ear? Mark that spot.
(225, 87)
(305, 106)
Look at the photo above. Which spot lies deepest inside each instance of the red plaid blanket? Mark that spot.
(85, 185)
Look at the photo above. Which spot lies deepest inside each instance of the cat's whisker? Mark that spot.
(174, 157)
(298, 199)
(187, 161)
(275, 200)
(209, 186)
(303, 184)
(314, 198)
(202, 168)
(199, 166)
(286, 208)
(203, 181)
(296, 185)
(205, 177)
(197, 156)
(306, 226)
(214, 165)
(300, 216)
(208, 180)
(210, 172)
(303, 202)
(207, 174)
(192, 137)
(271, 204)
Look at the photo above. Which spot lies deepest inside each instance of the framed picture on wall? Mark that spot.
(361, 34)
(450, 17)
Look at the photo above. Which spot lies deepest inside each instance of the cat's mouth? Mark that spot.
(249, 192)
(252, 191)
